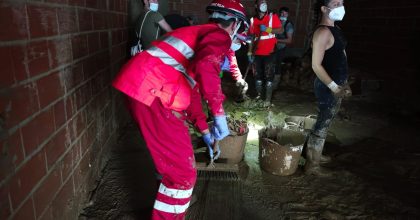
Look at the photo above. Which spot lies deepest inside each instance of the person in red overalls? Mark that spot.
(164, 85)
(264, 25)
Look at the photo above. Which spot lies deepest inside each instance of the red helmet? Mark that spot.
(230, 8)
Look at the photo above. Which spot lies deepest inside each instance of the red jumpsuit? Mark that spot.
(233, 66)
(163, 84)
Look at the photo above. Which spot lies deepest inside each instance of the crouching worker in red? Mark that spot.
(164, 85)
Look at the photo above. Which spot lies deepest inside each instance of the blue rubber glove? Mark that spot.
(263, 28)
(226, 64)
(209, 140)
(220, 128)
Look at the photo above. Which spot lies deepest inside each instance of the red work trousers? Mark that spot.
(168, 140)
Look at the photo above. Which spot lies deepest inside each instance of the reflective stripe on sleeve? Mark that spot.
(181, 46)
(175, 193)
(168, 60)
(176, 209)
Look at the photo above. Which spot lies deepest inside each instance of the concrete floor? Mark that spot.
(375, 172)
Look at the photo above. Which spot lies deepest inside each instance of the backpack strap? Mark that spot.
(141, 27)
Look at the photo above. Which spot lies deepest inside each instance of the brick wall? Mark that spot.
(58, 116)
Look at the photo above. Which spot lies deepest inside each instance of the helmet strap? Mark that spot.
(235, 31)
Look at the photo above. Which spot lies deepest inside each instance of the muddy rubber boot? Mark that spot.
(268, 93)
(313, 157)
(276, 81)
(258, 88)
(312, 165)
(324, 159)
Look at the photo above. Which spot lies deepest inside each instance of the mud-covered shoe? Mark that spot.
(324, 159)
(316, 170)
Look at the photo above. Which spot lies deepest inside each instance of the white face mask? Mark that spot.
(263, 7)
(283, 18)
(154, 6)
(235, 46)
(337, 14)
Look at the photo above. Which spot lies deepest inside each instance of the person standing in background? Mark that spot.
(264, 26)
(283, 40)
(150, 23)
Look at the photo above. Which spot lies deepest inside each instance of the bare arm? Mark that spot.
(321, 42)
(277, 30)
(164, 25)
(288, 40)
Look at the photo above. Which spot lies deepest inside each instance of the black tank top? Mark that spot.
(335, 60)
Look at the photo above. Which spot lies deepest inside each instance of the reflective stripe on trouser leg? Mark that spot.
(169, 143)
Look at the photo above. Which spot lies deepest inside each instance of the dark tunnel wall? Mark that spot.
(58, 114)
(384, 43)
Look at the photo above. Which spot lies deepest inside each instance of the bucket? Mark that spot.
(233, 147)
(300, 123)
(280, 150)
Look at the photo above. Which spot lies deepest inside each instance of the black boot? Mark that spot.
(268, 93)
(258, 88)
(276, 81)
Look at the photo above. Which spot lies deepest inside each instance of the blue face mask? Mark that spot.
(235, 46)
(154, 6)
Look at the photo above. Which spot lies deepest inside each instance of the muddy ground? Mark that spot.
(376, 170)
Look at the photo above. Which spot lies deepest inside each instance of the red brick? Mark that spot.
(47, 215)
(67, 20)
(116, 37)
(104, 40)
(93, 42)
(62, 201)
(70, 105)
(5, 210)
(57, 1)
(50, 88)
(77, 125)
(7, 77)
(59, 114)
(42, 21)
(66, 165)
(79, 46)
(21, 102)
(37, 130)
(60, 51)
(117, 52)
(26, 178)
(101, 4)
(19, 57)
(77, 2)
(45, 193)
(36, 57)
(56, 147)
(77, 74)
(85, 20)
(13, 22)
(26, 212)
(91, 4)
(99, 21)
(12, 153)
